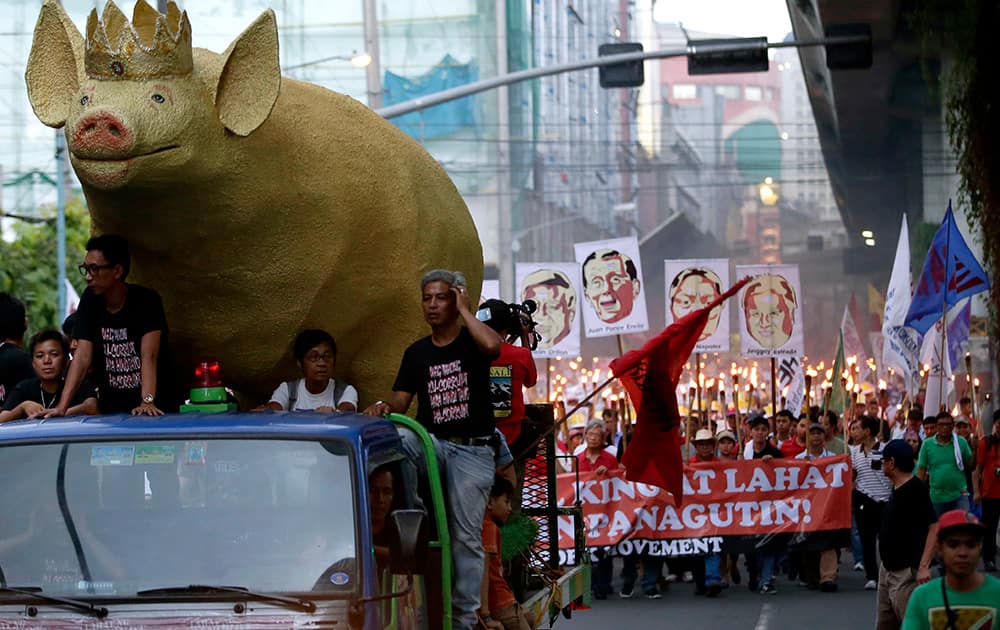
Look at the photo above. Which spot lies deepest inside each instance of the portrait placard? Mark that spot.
(693, 284)
(613, 295)
(770, 311)
(555, 289)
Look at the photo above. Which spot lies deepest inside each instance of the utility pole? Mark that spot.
(505, 202)
(61, 221)
(373, 73)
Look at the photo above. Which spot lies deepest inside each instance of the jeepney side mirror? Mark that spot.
(408, 546)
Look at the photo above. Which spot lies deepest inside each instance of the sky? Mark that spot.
(739, 18)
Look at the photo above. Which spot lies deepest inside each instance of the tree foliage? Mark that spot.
(965, 33)
(28, 268)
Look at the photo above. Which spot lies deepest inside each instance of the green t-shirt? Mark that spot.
(978, 609)
(946, 480)
(837, 446)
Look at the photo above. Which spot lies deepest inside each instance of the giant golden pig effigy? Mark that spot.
(255, 204)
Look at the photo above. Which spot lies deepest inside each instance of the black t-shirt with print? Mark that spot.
(15, 366)
(452, 385)
(769, 449)
(31, 389)
(905, 520)
(117, 339)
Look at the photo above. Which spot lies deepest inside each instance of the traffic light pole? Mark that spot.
(693, 48)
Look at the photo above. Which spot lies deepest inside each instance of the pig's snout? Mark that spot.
(102, 135)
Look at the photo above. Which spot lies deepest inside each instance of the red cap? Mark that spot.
(959, 519)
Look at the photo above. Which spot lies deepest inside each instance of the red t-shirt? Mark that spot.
(500, 595)
(990, 460)
(605, 459)
(694, 460)
(790, 448)
(513, 370)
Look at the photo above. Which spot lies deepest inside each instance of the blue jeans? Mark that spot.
(857, 550)
(468, 473)
(766, 560)
(652, 567)
(713, 575)
(961, 503)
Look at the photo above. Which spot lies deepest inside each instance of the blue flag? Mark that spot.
(951, 272)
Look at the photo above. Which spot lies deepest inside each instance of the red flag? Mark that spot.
(650, 376)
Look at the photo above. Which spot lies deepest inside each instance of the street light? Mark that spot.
(768, 192)
(357, 59)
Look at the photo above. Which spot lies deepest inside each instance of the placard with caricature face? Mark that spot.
(771, 312)
(555, 290)
(613, 296)
(693, 284)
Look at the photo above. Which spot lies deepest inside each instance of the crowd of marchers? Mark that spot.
(931, 504)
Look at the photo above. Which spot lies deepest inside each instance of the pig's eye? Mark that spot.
(84, 100)
(158, 98)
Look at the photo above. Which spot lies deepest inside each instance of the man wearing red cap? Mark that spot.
(964, 598)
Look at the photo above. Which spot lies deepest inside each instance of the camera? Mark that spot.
(510, 319)
(876, 460)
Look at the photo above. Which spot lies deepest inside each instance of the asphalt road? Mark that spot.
(792, 608)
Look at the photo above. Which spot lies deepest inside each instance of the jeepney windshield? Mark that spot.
(116, 518)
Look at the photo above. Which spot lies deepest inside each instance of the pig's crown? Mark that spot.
(152, 46)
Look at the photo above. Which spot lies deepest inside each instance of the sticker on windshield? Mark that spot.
(340, 579)
(154, 454)
(194, 452)
(112, 455)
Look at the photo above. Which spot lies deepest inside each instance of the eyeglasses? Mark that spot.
(92, 268)
(320, 358)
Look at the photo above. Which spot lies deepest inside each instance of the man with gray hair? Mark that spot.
(449, 373)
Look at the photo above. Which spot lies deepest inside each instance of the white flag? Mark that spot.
(792, 383)
(72, 299)
(902, 344)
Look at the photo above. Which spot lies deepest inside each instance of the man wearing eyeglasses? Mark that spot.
(121, 330)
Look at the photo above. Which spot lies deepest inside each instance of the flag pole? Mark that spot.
(697, 383)
(774, 392)
(944, 314)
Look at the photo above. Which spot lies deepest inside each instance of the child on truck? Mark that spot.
(499, 609)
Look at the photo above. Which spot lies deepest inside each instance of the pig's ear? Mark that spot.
(55, 65)
(251, 77)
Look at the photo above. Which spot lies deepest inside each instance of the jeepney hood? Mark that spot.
(177, 614)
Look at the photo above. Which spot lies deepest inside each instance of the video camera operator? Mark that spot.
(515, 368)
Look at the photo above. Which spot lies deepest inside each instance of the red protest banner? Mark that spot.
(749, 497)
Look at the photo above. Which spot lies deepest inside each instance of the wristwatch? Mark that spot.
(148, 399)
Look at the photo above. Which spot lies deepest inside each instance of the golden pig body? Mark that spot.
(315, 213)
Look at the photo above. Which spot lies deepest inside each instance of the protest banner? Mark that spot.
(733, 498)
(615, 302)
(690, 285)
(555, 289)
(770, 305)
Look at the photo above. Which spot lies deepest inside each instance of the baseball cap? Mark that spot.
(495, 314)
(959, 520)
(961, 420)
(815, 426)
(758, 419)
(725, 435)
(897, 450)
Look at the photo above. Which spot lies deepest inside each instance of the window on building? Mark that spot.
(753, 93)
(728, 91)
(683, 91)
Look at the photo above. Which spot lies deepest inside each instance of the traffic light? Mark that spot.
(621, 75)
(725, 56)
